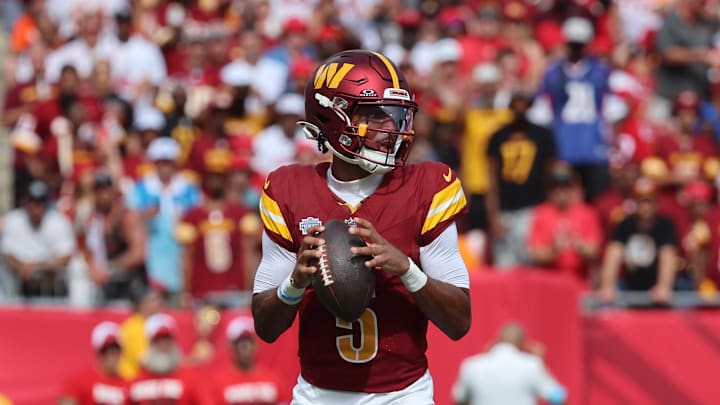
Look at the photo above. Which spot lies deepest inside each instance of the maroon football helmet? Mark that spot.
(358, 106)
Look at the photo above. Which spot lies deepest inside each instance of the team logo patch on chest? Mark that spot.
(307, 223)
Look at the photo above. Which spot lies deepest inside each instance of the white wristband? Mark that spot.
(288, 294)
(414, 279)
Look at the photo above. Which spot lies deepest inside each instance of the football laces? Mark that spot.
(324, 266)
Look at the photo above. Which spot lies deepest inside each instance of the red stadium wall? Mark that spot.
(653, 358)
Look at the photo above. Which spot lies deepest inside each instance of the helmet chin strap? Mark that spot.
(312, 132)
(368, 166)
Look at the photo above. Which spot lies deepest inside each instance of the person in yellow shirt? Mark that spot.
(146, 302)
(482, 119)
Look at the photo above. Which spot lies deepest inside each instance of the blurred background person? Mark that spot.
(482, 119)
(565, 233)
(144, 302)
(164, 379)
(644, 248)
(697, 236)
(220, 238)
(616, 203)
(685, 45)
(161, 198)
(37, 243)
(507, 374)
(519, 156)
(243, 382)
(114, 241)
(576, 86)
(278, 144)
(100, 384)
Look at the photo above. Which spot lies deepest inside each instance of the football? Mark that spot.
(342, 282)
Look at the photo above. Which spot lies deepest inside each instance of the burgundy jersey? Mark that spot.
(384, 350)
(92, 387)
(215, 236)
(612, 207)
(712, 221)
(688, 156)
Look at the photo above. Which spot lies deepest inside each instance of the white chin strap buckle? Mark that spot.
(372, 156)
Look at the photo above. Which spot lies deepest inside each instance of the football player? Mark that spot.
(359, 107)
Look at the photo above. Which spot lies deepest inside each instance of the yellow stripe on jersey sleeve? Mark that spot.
(446, 203)
(272, 217)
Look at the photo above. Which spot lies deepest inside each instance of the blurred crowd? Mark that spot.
(148, 365)
(584, 131)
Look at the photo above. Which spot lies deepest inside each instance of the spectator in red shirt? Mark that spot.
(163, 379)
(100, 384)
(22, 97)
(564, 233)
(243, 382)
(681, 153)
(482, 41)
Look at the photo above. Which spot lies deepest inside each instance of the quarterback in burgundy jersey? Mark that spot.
(359, 107)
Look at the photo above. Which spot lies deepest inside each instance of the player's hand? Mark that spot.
(385, 255)
(303, 271)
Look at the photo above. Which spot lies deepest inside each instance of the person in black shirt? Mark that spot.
(645, 245)
(519, 157)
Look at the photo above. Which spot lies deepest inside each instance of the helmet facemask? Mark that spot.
(377, 135)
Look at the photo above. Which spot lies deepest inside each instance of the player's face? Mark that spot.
(382, 125)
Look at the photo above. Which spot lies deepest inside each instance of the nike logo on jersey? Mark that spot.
(448, 176)
(266, 185)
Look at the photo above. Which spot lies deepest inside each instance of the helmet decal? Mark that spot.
(331, 75)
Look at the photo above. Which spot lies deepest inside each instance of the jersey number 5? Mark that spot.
(368, 347)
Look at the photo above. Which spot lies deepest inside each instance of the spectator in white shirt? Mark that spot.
(279, 144)
(37, 244)
(137, 64)
(274, 74)
(82, 53)
(506, 375)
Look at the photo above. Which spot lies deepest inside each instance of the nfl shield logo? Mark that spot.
(308, 223)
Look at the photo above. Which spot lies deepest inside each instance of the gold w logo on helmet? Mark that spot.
(331, 75)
